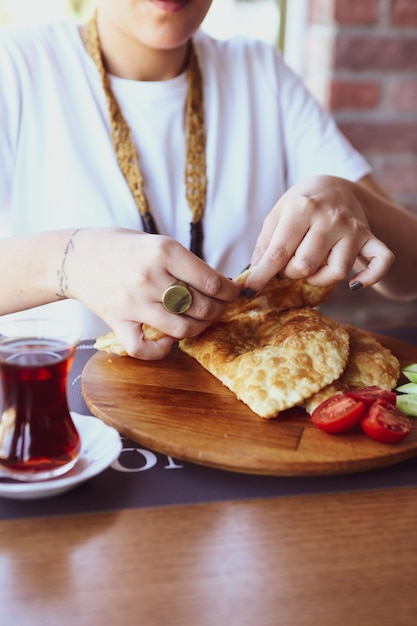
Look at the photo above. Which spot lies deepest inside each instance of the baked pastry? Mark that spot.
(110, 343)
(273, 362)
(369, 364)
(277, 351)
(280, 294)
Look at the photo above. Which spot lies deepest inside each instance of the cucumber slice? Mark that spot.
(407, 403)
(410, 372)
(408, 388)
(411, 376)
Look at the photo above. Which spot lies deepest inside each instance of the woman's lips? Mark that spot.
(170, 6)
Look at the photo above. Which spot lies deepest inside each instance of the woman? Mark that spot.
(95, 136)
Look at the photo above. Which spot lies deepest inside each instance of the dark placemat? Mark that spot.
(143, 478)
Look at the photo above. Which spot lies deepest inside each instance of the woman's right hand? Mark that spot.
(121, 274)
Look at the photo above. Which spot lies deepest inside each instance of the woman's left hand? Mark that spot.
(318, 230)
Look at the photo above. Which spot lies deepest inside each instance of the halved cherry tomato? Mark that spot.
(368, 395)
(385, 423)
(338, 413)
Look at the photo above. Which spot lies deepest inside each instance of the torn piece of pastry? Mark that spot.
(280, 294)
(369, 364)
(110, 343)
(273, 362)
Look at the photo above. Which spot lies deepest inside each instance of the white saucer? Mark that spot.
(100, 446)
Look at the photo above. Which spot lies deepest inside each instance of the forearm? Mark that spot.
(397, 228)
(33, 269)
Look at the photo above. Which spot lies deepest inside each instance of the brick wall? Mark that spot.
(361, 62)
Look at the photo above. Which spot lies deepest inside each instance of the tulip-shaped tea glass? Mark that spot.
(38, 438)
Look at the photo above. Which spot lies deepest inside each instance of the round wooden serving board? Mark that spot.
(174, 406)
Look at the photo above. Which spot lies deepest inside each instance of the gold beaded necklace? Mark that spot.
(127, 157)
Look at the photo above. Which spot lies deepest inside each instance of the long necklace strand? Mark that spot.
(195, 143)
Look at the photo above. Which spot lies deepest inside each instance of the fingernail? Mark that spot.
(249, 293)
(355, 286)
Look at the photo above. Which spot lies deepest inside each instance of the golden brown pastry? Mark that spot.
(369, 364)
(274, 362)
(276, 351)
(110, 343)
(280, 294)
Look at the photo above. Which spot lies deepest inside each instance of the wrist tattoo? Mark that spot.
(61, 272)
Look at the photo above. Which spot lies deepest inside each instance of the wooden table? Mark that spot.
(337, 559)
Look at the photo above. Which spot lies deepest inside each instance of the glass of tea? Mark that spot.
(38, 438)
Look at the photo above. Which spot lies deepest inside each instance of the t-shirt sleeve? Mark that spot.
(10, 110)
(313, 143)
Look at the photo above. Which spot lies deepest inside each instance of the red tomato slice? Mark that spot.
(368, 395)
(338, 413)
(385, 423)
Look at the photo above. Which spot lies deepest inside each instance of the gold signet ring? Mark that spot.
(177, 298)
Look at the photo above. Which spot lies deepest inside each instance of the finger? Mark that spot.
(171, 262)
(131, 337)
(176, 326)
(337, 263)
(280, 238)
(315, 249)
(201, 277)
(206, 309)
(281, 248)
(377, 259)
(202, 308)
(149, 350)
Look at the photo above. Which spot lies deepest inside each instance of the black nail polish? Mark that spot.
(249, 293)
(355, 286)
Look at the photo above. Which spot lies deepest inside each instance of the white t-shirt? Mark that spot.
(264, 130)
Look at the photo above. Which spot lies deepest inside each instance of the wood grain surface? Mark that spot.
(174, 406)
(339, 559)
